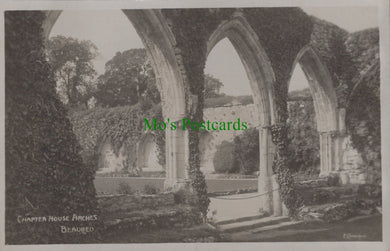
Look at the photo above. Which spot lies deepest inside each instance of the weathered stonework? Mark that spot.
(211, 139)
(269, 41)
(147, 160)
(351, 167)
(142, 158)
(354, 170)
(109, 161)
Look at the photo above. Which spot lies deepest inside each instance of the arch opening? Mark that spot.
(159, 44)
(327, 118)
(151, 27)
(261, 80)
(147, 156)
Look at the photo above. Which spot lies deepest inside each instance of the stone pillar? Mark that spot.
(265, 171)
(331, 153)
(326, 153)
(177, 168)
(285, 211)
(277, 202)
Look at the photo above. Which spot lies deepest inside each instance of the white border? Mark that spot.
(384, 21)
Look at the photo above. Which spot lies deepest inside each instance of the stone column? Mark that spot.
(277, 202)
(331, 153)
(265, 171)
(326, 153)
(176, 143)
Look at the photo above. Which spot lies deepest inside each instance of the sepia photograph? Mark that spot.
(246, 124)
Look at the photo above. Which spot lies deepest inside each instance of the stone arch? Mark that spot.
(261, 77)
(256, 63)
(329, 117)
(160, 46)
(321, 87)
(159, 43)
(145, 149)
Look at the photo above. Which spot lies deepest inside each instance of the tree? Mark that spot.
(128, 79)
(224, 159)
(304, 146)
(246, 151)
(71, 61)
(212, 87)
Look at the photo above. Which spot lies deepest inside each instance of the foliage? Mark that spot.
(300, 95)
(290, 197)
(44, 172)
(282, 32)
(246, 151)
(128, 78)
(124, 188)
(239, 156)
(363, 46)
(120, 126)
(294, 29)
(228, 100)
(71, 61)
(179, 196)
(212, 87)
(150, 189)
(303, 138)
(363, 121)
(224, 160)
(159, 137)
(328, 40)
(191, 33)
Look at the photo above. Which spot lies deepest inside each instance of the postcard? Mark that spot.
(195, 125)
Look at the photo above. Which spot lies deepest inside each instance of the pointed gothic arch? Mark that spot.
(329, 117)
(261, 78)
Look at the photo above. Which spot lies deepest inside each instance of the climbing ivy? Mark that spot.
(282, 32)
(44, 172)
(363, 121)
(191, 33)
(122, 127)
(285, 180)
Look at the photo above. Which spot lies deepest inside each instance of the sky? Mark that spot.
(111, 31)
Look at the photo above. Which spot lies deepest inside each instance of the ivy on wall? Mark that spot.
(303, 145)
(285, 180)
(191, 28)
(282, 32)
(45, 174)
(363, 121)
(122, 127)
(44, 171)
(328, 40)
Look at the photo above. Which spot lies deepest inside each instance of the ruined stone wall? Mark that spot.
(211, 139)
(131, 159)
(352, 170)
